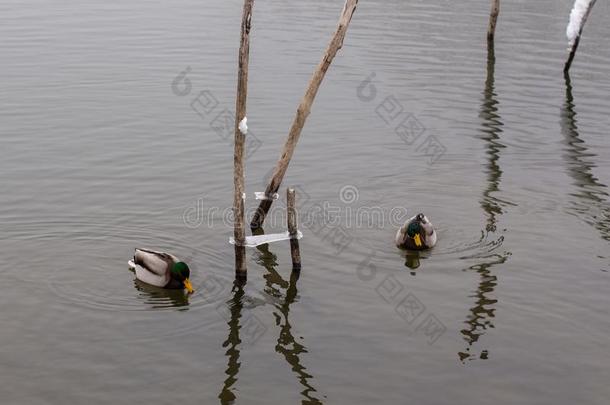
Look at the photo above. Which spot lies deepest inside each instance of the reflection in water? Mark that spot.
(227, 396)
(491, 129)
(412, 261)
(159, 298)
(283, 293)
(591, 198)
(287, 345)
(481, 314)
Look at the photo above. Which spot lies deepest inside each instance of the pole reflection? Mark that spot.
(227, 394)
(291, 349)
(483, 311)
(590, 202)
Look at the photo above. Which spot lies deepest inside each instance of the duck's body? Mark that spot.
(416, 234)
(160, 269)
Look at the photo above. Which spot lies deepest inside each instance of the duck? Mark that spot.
(416, 234)
(161, 270)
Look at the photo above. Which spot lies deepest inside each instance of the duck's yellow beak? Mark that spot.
(188, 286)
(417, 240)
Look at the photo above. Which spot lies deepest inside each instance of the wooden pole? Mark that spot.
(574, 46)
(291, 213)
(568, 64)
(493, 19)
(238, 157)
(303, 111)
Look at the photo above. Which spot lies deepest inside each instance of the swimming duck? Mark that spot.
(161, 270)
(416, 234)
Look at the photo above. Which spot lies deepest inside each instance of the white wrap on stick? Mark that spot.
(578, 17)
(261, 195)
(243, 126)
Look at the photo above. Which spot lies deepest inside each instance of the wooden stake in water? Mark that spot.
(292, 229)
(574, 45)
(240, 136)
(493, 19)
(303, 111)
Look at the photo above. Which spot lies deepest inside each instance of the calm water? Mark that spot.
(101, 153)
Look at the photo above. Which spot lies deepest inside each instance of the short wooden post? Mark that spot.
(576, 41)
(493, 19)
(291, 214)
(240, 136)
(303, 111)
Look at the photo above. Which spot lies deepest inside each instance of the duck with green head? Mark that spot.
(161, 270)
(416, 234)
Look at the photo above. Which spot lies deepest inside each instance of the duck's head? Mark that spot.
(416, 234)
(181, 272)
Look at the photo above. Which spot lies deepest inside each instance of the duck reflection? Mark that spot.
(289, 347)
(159, 298)
(481, 314)
(590, 202)
(412, 261)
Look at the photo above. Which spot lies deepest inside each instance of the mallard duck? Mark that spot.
(161, 270)
(416, 234)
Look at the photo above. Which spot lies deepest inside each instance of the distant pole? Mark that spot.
(240, 136)
(292, 229)
(581, 25)
(303, 111)
(493, 19)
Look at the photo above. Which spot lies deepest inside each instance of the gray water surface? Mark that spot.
(106, 147)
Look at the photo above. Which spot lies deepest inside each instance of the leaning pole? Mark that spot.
(302, 112)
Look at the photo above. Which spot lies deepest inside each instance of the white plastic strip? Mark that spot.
(260, 195)
(257, 240)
